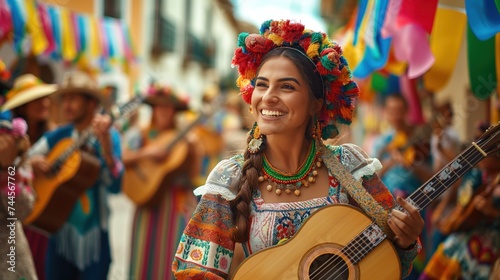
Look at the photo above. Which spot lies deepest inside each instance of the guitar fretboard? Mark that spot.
(445, 178)
(363, 243)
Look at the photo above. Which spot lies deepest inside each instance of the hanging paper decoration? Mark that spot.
(409, 23)
(376, 47)
(446, 40)
(95, 37)
(5, 20)
(482, 69)
(484, 18)
(418, 38)
(34, 26)
(63, 34)
(18, 22)
(47, 28)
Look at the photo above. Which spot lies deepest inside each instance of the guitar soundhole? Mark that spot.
(328, 266)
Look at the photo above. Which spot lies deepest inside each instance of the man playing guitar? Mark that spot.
(80, 248)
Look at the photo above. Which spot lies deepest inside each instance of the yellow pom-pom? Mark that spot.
(312, 51)
(277, 40)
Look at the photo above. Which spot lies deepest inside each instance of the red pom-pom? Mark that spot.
(246, 93)
(290, 31)
(322, 70)
(304, 43)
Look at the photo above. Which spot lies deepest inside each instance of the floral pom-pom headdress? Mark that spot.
(165, 95)
(339, 90)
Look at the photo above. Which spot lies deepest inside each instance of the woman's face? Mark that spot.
(38, 110)
(281, 103)
(163, 116)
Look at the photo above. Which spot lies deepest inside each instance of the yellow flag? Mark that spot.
(94, 38)
(68, 47)
(446, 39)
(35, 29)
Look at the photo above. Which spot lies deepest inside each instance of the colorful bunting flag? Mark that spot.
(482, 69)
(446, 40)
(63, 34)
(484, 18)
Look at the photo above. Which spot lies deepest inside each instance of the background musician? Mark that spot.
(80, 248)
(16, 199)
(157, 227)
(401, 173)
(406, 163)
(471, 250)
(30, 100)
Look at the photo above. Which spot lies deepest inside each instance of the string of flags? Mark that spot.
(423, 39)
(65, 35)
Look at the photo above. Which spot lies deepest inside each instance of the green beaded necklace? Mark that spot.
(289, 182)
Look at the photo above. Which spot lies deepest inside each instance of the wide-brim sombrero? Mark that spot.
(78, 82)
(26, 88)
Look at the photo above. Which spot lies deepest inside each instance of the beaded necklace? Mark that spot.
(291, 182)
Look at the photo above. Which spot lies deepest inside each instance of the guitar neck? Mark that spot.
(204, 114)
(445, 178)
(183, 132)
(122, 112)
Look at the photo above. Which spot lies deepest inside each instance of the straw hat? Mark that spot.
(78, 82)
(26, 88)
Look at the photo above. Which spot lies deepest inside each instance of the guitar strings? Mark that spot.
(351, 246)
(362, 243)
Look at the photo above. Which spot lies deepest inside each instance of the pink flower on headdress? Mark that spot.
(258, 44)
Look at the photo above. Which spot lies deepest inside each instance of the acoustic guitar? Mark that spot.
(72, 171)
(351, 246)
(143, 180)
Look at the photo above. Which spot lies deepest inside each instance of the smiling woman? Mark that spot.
(300, 90)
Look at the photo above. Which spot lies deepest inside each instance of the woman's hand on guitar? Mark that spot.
(40, 165)
(406, 226)
(8, 150)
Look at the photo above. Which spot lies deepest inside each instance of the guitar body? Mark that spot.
(294, 258)
(56, 195)
(143, 181)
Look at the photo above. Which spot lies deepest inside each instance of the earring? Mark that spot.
(250, 109)
(316, 130)
(256, 141)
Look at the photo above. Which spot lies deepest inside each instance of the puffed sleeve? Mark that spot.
(206, 248)
(220, 179)
(364, 168)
